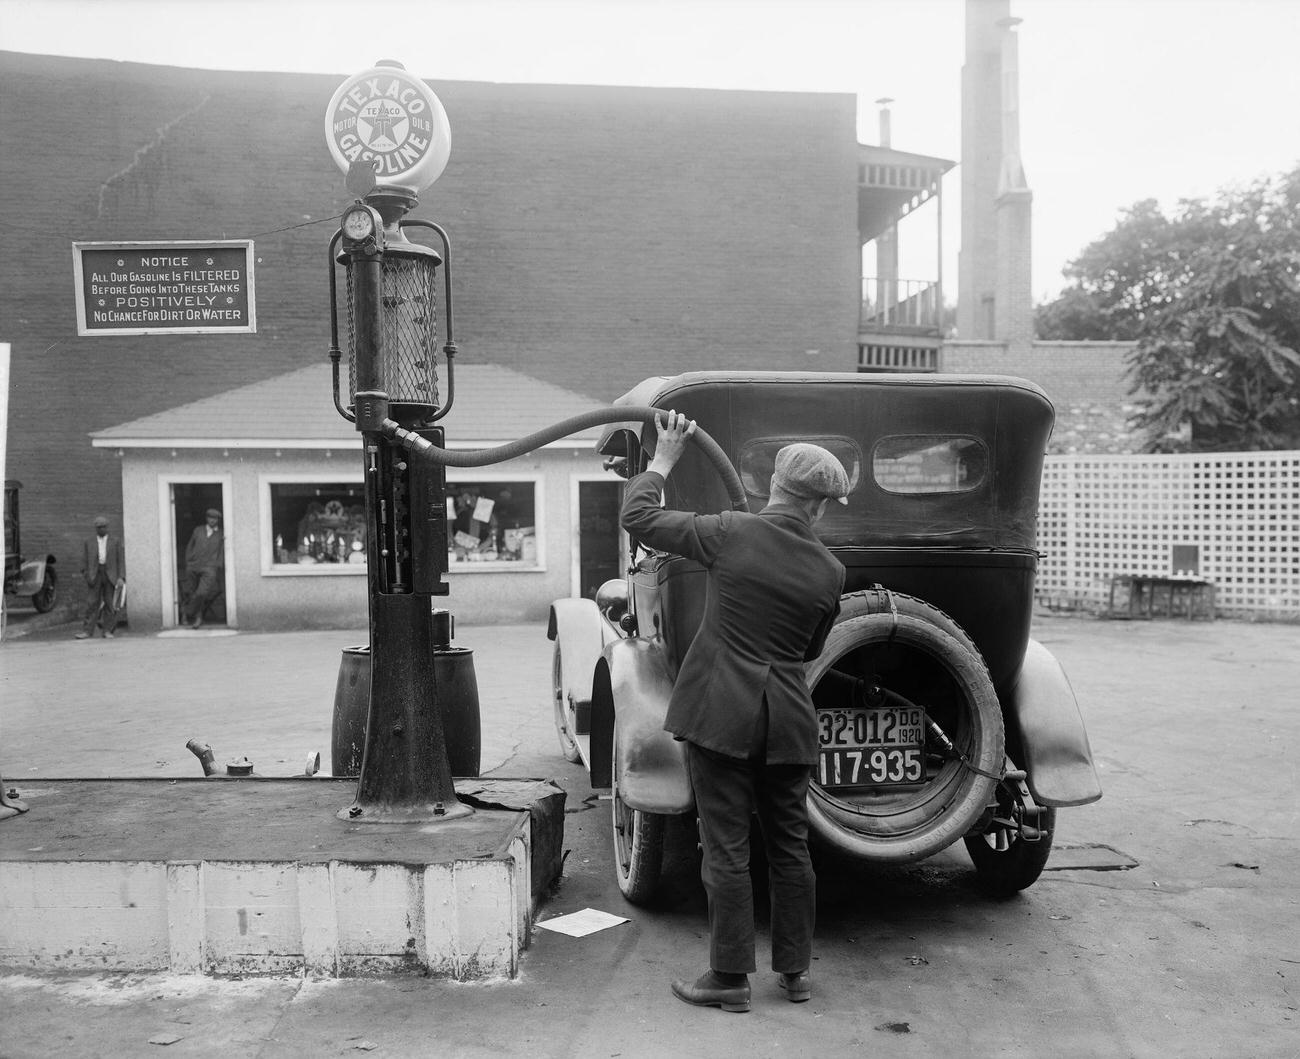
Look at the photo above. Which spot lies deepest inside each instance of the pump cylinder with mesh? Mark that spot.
(405, 367)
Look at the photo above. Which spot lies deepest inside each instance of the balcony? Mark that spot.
(900, 325)
(900, 306)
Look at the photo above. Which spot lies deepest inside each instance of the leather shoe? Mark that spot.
(708, 991)
(82, 636)
(797, 986)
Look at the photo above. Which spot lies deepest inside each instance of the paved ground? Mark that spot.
(1192, 951)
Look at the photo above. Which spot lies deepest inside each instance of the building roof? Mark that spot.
(296, 410)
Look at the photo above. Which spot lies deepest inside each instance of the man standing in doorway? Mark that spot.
(741, 703)
(205, 560)
(103, 568)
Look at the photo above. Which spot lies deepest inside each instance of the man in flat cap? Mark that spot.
(103, 568)
(205, 562)
(740, 701)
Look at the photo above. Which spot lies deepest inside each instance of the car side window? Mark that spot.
(929, 463)
(758, 459)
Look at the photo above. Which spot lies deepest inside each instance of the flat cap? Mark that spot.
(213, 513)
(100, 520)
(810, 471)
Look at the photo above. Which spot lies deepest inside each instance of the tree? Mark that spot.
(1212, 299)
(1078, 316)
(1119, 277)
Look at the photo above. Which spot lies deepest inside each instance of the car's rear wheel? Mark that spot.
(915, 651)
(44, 597)
(638, 843)
(563, 716)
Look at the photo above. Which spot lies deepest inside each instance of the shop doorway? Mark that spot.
(600, 542)
(190, 502)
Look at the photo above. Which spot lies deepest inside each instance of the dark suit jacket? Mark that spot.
(114, 559)
(773, 595)
(205, 551)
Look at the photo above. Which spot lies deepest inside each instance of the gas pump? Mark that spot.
(389, 133)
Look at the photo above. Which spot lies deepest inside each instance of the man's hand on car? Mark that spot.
(674, 431)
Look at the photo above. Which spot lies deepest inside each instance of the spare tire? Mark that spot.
(918, 652)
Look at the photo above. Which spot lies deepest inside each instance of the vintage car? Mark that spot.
(34, 578)
(940, 719)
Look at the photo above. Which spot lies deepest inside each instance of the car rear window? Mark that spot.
(929, 463)
(758, 458)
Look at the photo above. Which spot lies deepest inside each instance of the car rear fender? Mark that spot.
(1043, 708)
(31, 576)
(631, 689)
(578, 631)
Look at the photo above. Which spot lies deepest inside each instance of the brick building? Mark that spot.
(599, 235)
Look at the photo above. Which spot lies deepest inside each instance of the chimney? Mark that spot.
(1013, 293)
(886, 241)
(981, 152)
(883, 103)
(1011, 173)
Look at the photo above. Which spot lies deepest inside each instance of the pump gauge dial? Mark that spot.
(359, 223)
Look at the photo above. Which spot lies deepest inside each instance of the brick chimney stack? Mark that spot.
(1013, 306)
(887, 241)
(994, 285)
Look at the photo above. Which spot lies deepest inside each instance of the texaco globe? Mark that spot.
(392, 119)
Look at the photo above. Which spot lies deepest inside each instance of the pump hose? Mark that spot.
(597, 417)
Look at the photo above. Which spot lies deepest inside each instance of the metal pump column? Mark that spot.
(389, 133)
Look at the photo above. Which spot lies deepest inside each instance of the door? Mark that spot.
(600, 543)
(190, 502)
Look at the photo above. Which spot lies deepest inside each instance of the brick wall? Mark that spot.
(1087, 382)
(599, 235)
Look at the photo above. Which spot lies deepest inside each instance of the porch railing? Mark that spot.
(909, 303)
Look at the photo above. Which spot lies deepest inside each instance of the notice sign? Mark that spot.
(165, 288)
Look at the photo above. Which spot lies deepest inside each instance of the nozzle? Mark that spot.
(204, 753)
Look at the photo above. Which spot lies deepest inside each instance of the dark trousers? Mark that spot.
(727, 791)
(99, 602)
(199, 587)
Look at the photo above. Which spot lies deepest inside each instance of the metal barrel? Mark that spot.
(351, 708)
(457, 685)
(457, 689)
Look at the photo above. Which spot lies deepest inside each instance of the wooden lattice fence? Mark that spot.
(1232, 518)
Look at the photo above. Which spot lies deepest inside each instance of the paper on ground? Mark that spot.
(580, 924)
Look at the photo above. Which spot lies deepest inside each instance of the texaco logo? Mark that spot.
(393, 120)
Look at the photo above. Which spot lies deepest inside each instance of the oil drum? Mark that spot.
(453, 669)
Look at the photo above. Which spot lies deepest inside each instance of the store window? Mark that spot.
(316, 526)
(492, 522)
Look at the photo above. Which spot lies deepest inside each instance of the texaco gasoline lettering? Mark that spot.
(386, 119)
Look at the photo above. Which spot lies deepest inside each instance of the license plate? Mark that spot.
(870, 748)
